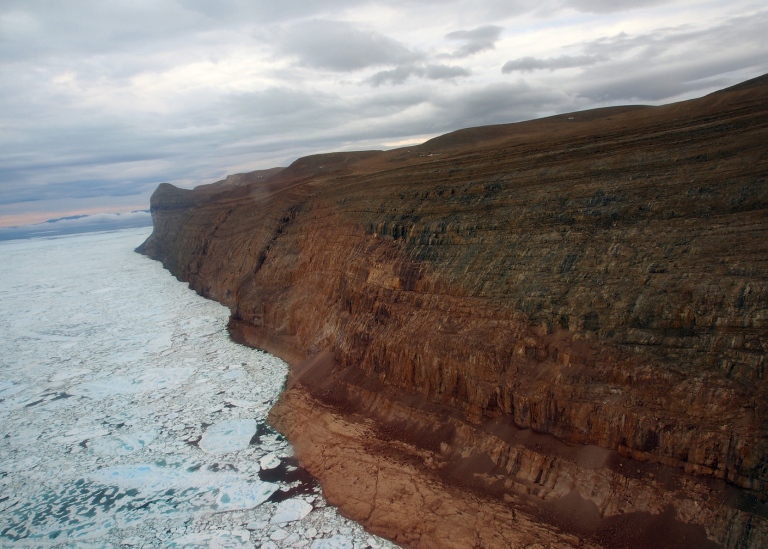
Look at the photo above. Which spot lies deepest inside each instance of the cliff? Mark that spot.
(552, 332)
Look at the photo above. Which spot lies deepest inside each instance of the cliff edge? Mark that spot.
(550, 333)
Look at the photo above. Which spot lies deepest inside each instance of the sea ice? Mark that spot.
(129, 415)
(8, 388)
(334, 542)
(233, 374)
(218, 491)
(291, 510)
(270, 461)
(228, 436)
(80, 434)
(219, 539)
(122, 445)
(69, 374)
(150, 380)
(279, 535)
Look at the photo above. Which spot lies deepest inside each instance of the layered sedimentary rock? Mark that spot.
(554, 332)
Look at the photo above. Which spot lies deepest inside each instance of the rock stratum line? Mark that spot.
(544, 334)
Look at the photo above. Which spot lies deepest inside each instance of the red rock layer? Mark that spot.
(598, 279)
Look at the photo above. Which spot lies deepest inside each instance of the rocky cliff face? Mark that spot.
(555, 330)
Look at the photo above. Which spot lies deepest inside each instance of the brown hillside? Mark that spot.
(551, 332)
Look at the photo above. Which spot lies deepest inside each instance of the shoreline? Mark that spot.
(353, 447)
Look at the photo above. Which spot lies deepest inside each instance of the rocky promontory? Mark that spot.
(544, 334)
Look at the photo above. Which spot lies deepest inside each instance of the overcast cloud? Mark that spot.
(101, 101)
(339, 46)
(476, 40)
(530, 64)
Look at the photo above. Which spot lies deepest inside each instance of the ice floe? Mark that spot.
(270, 461)
(220, 539)
(291, 510)
(334, 542)
(230, 435)
(128, 418)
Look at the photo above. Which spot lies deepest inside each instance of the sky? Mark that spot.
(102, 100)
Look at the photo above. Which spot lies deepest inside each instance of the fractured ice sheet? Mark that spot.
(128, 418)
(129, 496)
(227, 436)
(8, 388)
(291, 510)
(220, 539)
(335, 542)
(219, 491)
(123, 444)
(69, 374)
(149, 380)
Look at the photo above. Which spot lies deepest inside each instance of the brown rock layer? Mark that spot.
(568, 313)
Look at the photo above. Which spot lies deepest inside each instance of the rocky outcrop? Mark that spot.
(562, 323)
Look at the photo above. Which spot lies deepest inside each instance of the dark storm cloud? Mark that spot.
(530, 64)
(341, 46)
(476, 40)
(400, 74)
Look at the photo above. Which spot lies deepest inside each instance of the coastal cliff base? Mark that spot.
(429, 499)
(394, 488)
